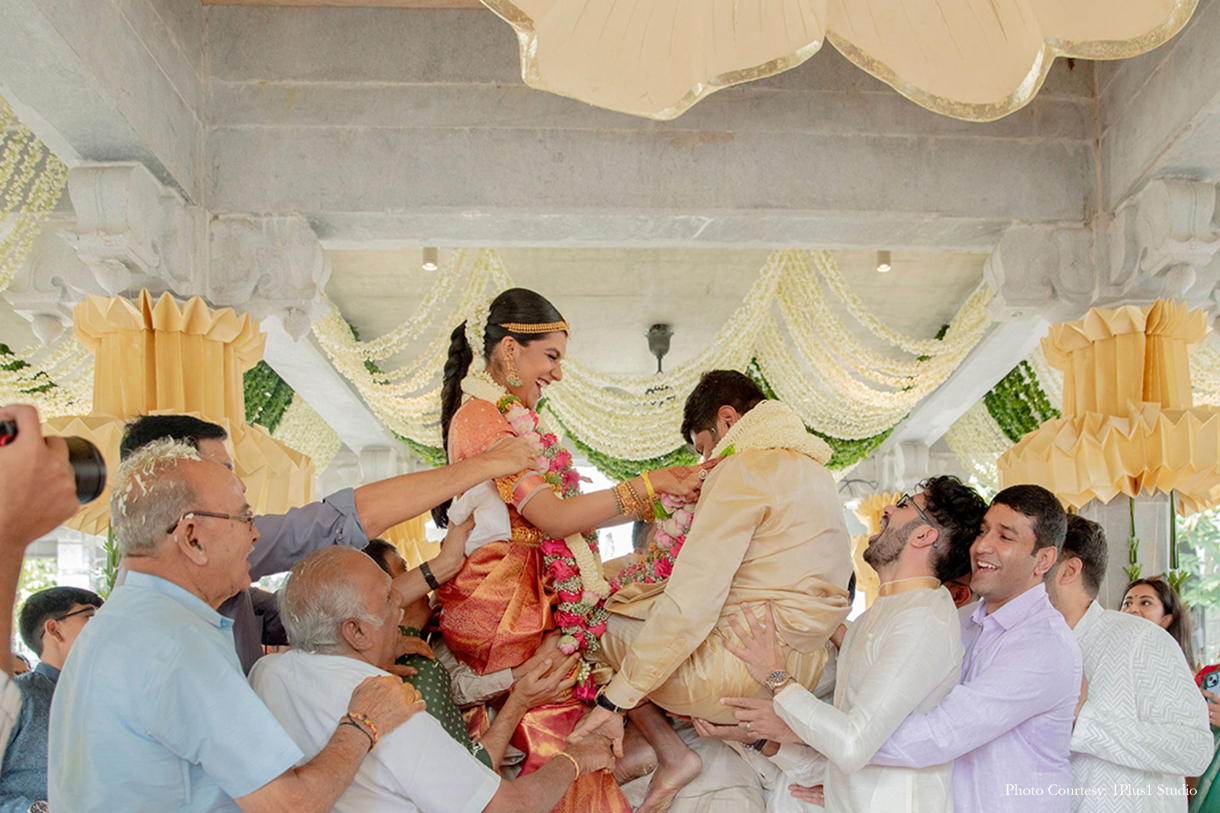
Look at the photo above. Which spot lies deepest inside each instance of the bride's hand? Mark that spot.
(682, 481)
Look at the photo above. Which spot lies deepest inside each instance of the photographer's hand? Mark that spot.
(37, 494)
(37, 486)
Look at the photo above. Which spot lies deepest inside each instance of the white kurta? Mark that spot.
(416, 766)
(903, 655)
(1144, 726)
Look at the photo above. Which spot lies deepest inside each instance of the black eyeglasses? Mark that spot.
(906, 500)
(246, 516)
(90, 609)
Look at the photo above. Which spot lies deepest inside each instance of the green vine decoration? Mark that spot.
(1133, 548)
(1018, 403)
(434, 456)
(110, 569)
(45, 385)
(267, 396)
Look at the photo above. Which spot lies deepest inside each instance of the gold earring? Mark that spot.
(510, 372)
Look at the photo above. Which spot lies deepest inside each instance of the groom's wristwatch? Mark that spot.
(778, 680)
(757, 745)
(605, 703)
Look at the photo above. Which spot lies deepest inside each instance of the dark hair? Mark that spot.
(514, 306)
(717, 388)
(147, 428)
(379, 550)
(639, 533)
(1086, 541)
(958, 510)
(1181, 628)
(50, 603)
(851, 588)
(1044, 510)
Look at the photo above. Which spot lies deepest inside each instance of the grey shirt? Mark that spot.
(283, 540)
(23, 779)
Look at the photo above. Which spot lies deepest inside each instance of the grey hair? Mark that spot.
(149, 496)
(316, 601)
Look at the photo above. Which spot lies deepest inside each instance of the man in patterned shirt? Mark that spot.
(1141, 725)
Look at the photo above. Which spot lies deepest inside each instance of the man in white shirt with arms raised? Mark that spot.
(341, 612)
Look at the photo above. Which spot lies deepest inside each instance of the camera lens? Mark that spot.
(89, 467)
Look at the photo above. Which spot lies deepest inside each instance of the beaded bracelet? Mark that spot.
(363, 718)
(575, 764)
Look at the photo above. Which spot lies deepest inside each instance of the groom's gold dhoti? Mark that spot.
(769, 527)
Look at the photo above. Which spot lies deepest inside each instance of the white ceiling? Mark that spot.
(612, 296)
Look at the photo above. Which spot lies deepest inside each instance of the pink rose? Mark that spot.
(586, 691)
(564, 458)
(568, 619)
(664, 568)
(555, 547)
(562, 571)
(590, 598)
(564, 595)
(555, 465)
(516, 412)
(570, 479)
(567, 645)
(670, 527)
(598, 628)
(684, 517)
(549, 439)
(542, 464)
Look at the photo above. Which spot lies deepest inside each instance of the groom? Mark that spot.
(768, 527)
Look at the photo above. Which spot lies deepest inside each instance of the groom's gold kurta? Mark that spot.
(768, 527)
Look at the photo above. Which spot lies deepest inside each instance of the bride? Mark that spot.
(497, 609)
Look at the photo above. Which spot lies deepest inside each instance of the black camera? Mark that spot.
(87, 463)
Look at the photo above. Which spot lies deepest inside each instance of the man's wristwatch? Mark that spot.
(38, 807)
(778, 680)
(606, 704)
(757, 745)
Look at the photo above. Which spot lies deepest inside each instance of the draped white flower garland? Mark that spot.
(302, 429)
(68, 365)
(813, 361)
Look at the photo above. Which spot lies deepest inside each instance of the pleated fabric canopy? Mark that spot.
(970, 59)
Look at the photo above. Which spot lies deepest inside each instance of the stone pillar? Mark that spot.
(1152, 520)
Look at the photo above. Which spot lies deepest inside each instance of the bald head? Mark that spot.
(325, 589)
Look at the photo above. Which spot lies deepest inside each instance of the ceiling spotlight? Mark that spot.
(883, 262)
(430, 263)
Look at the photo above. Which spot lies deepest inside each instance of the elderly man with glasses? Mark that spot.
(153, 712)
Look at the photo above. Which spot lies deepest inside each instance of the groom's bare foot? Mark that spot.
(670, 777)
(639, 758)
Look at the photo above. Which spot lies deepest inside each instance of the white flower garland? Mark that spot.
(820, 370)
(772, 425)
(302, 429)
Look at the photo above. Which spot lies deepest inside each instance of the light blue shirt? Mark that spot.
(153, 713)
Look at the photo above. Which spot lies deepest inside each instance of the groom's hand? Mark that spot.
(604, 722)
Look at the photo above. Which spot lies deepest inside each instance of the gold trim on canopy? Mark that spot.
(976, 60)
(1128, 421)
(159, 357)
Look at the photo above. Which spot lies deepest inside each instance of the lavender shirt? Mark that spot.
(1008, 724)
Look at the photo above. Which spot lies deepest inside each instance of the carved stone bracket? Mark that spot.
(1043, 271)
(1163, 243)
(131, 232)
(269, 266)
